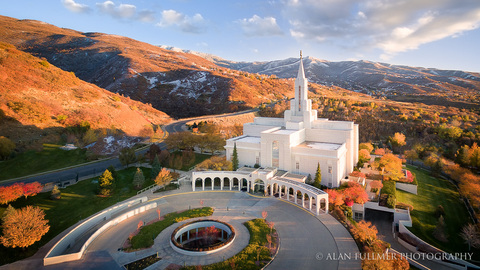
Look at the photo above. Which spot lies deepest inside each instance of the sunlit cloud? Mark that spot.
(122, 11)
(75, 7)
(194, 24)
(257, 26)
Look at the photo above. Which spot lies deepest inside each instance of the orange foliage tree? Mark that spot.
(376, 185)
(363, 155)
(365, 232)
(356, 193)
(335, 198)
(31, 189)
(23, 227)
(10, 193)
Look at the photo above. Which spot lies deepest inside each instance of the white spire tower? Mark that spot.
(300, 114)
(301, 90)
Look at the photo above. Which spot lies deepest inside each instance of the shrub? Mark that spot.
(391, 201)
(405, 206)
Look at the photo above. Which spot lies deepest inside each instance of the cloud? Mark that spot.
(146, 16)
(391, 26)
(185, 23)
(257, 26)
(75, 7)
(122, 11)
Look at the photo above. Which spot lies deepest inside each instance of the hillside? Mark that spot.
(177, 83)
(38, 101)
(401, 83)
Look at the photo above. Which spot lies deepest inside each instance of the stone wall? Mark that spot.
(56, 253)
(407, 187)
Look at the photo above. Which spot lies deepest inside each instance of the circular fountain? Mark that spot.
(202, 237)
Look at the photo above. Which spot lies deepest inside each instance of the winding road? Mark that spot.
(90, 169)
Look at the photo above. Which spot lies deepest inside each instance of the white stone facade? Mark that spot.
(299, 141)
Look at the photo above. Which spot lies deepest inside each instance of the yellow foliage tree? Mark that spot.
(23, 227)
(163, 178)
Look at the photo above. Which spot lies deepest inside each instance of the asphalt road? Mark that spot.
(95, 168)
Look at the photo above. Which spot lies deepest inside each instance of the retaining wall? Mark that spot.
(56, 253)
(407, 187)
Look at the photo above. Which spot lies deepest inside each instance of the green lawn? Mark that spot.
(431, 193)
(78, 201)
(144, 238)
(50, 158)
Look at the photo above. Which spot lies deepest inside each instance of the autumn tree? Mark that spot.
(106, 182)
(366, 146)
(398, 139)
(163, 178)
(317, 182)
(391, 166)
(153, 151)
(471, 236)
(31, 189)
(23, 227)
(356, 193)
(138, 179)
(164, 157)
(335, 198)
(215, 163)
(363, 155)
(376, 185)
(411, 154)
(365, 232)
(6, 147)
(214, 143)
(56, 193)
(127, 156)
(10, 193)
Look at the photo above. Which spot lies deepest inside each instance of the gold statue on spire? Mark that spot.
(301, 54)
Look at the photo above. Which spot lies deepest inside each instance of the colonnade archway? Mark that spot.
(296, 192)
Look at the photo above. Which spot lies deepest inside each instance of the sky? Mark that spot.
(441, 34)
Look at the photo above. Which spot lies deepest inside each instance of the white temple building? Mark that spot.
(299, 141)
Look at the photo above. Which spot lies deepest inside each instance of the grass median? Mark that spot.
(144, 239)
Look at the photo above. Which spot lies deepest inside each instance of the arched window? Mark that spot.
(275, 155)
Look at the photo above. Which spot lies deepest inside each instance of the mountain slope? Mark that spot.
(38, 100)
(177, 83)
(401, 83)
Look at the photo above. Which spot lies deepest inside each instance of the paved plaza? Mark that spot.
(305, 238)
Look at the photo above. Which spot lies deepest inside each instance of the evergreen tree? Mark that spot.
(156, 167)
(318, 177)
(138, 179)
(235, 157)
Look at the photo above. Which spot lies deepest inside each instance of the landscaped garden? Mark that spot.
(77, 202)
(258, 252)
(144, 238)
(433, 192)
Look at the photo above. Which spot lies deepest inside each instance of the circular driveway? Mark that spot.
(303, 236)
